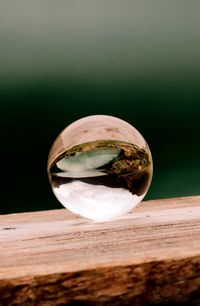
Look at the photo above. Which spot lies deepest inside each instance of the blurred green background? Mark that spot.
(62, 60)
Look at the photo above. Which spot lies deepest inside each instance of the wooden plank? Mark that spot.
(149, 257)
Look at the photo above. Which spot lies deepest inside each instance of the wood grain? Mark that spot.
(149, 257)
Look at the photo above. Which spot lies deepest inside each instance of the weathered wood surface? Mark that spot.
(149, 257)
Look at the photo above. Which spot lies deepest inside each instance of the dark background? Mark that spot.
(59, 61)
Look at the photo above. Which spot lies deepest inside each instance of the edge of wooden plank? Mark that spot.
(172, 278)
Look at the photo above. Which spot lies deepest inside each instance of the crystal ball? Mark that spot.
(100, 167)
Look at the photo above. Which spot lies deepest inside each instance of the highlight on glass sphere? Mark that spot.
(100, 167)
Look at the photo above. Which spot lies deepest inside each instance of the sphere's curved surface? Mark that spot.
(100, 167)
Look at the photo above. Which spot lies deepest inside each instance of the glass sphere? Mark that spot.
(100, 167)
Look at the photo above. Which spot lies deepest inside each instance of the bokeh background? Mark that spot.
(62, 60)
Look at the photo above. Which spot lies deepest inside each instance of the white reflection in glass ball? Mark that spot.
(100, 167)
